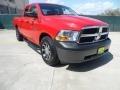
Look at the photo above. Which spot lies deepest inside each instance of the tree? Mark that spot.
(111, 12)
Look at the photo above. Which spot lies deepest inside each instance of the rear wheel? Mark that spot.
(48, 52)
(18, 35)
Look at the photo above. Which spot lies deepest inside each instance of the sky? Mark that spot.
(88, 7)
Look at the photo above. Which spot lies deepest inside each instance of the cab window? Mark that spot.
(26, 10)
(33, 11)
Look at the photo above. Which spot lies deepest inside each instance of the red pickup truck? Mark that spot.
(62, 35)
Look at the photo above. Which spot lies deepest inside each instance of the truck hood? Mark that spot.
(73, 22)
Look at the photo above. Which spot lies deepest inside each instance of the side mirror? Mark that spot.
(35, 15)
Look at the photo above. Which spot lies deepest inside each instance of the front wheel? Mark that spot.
(48, 52)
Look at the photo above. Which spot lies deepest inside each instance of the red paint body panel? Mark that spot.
(51, 24)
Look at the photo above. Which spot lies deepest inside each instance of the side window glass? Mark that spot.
(66, 11)
(33, 11)
(26, 10)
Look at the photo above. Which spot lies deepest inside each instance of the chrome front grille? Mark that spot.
(93, 34)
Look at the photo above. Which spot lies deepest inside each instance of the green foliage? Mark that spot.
(111, 12)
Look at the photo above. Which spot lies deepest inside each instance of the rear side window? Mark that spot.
(26, 10)
(33, 10)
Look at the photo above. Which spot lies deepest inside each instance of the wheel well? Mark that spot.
(16, 27)
(43, 35)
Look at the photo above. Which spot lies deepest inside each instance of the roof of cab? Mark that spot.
(44, 3)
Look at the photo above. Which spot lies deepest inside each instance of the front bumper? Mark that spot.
(71, 52)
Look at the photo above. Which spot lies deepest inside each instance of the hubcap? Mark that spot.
(46, 51)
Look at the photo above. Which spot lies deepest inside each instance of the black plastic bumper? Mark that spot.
(71, 52)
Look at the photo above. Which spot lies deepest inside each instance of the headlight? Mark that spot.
(67, 35)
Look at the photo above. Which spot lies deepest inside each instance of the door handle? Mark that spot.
(20, 20)
(27, 21)
(32, 21)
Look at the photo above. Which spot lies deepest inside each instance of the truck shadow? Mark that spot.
(33, 46)
(36, 49)
(81, 67)
(90, 65)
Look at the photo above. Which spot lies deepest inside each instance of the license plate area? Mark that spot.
(101, 50)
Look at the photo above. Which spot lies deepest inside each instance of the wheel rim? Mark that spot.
(46, 52)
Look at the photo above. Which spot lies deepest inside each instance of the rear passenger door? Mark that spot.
(33, 22)
(25, 22)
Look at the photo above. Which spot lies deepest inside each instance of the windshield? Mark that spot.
(50, 9)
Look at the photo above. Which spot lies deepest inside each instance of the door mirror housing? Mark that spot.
(34, 14)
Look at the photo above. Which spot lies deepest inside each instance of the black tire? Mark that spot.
(47, 43)
(18, 35)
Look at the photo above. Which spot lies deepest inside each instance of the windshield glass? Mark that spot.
(51, 9)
